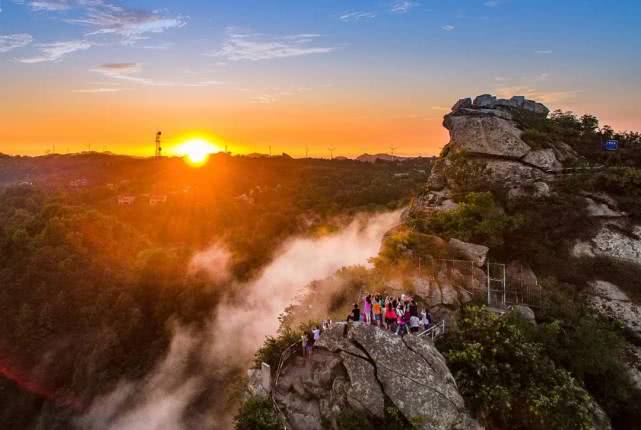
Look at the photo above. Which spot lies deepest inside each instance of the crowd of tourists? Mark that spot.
(399, 314)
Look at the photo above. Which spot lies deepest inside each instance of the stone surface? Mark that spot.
(601, 209)
(612, 302)
(488, 135)
(544, 159)
(469, 251)
(407, 372)
(612, 240)
(524, 312)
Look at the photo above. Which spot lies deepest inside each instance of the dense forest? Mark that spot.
(91, 285)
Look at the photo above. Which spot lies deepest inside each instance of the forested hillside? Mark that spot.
(91, 287)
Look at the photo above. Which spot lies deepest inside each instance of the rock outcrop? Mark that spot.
(486, 132)
(366, 370)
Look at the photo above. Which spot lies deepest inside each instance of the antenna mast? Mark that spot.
(158, 147)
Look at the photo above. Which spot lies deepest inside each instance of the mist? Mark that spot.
(246, 315)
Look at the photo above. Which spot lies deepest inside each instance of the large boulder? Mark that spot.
(371, 369)
(486, 134)
(468, 251)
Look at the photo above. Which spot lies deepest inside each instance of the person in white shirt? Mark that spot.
(415, 322)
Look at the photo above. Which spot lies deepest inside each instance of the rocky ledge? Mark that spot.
(487, 132)
(368, 370)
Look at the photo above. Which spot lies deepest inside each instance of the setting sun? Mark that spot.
(196, 151)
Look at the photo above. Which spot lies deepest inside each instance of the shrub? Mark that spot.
(257, 413)
(536, 139)
(477, 218)
(506, 378)
(273, 347)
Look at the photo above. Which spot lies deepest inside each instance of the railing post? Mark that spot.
(489, 283)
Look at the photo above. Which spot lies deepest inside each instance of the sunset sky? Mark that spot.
(360, 76)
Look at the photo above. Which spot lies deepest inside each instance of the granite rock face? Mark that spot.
(366, 369)
(486, 132)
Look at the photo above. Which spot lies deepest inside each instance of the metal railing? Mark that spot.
(284, 356)
(435, 331)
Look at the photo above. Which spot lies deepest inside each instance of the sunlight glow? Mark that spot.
(196, 151)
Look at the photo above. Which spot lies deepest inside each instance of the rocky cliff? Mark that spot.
(488, 133)
(366, 371)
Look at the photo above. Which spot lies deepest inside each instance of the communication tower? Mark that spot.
(158, 147)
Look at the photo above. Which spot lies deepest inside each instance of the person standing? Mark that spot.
(378, 311)
(367, 309)
(390, 317)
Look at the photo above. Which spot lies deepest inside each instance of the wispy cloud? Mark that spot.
(403, 6)
(56, 51)
(491, 3)
(106, 17)
(357, 16)
(130, 72)
(50, 6)
(97, 90)
(448, 27)
(542, 77)
(9, 42)
(239, 46)
(531, 92)
(543, 51)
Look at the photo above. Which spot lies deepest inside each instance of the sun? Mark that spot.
(196, 151)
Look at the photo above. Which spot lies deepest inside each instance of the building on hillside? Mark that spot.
(126, 200)
(401, 175)
(157, 199)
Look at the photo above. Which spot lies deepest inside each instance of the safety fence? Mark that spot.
(284, 357)
(435, 331)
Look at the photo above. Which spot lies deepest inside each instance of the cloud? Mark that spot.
(357, 16)
(542, 77)
(50, 6)
(530, 92)
(106, 17)
(448, 27)
(246, 315)
(403, 6)
(491, 3)
(9, 42)
(97, 90)
(543, 51)
(56, 51)
(130, 72)
(240, 46)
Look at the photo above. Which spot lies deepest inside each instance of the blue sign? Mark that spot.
(611, 145)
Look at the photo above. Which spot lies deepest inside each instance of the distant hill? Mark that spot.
(372, 158)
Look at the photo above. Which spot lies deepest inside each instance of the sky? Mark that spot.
(300, 76)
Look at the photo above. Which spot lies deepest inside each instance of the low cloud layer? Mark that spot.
(241, 323)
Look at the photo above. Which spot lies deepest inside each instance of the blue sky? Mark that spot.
(365, 73)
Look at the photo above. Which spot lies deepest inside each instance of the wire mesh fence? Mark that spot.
(495, 284)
